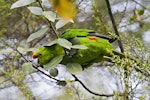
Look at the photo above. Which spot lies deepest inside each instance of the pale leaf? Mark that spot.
(37, 34)
(35, 10)
(21, 3)
(79, 47)
(51, 16)
(64, 43)
(74, 68)
(62, 22)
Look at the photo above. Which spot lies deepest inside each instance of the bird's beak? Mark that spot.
(35, 55)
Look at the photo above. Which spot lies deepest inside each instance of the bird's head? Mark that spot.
(35, 55)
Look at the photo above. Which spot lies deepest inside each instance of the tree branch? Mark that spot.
(114, 25)
(94, 93)
(126, 72)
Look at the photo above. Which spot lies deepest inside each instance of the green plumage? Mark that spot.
(97, 48)
(47, 53)
(72, 33)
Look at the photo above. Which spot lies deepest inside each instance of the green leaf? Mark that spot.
(51, 16)
(37, 34)
(53, 72)
(27, 68)
(64, 43)
(74, 68)
(140, 11)
(21, 3)
(35, 10)
(6, 51)
(56, 60)
(132, 19)
(79, 47)
(62, 83)
(62, 23)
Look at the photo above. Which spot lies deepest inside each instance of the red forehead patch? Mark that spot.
(35, 55)
(93, 38)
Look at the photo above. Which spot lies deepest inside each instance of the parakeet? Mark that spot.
(97, 45)
(99, 49)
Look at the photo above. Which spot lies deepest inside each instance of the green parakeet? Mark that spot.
(99, 49)
(97, 45)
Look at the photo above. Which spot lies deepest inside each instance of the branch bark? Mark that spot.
(126, 72)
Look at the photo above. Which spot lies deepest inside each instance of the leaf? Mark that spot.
(53, 72)
(27, 68)
(79, 47)
(24, 50)
(62, 22)
(62, 83)
(74, 68)
(51, 16)
(35, 10)
(132, 19)
(52, 43)
(37, 34)
(64, 43)
(6, 51)
(21, 50)
(140, 11)
(21, 3)
(56, 60)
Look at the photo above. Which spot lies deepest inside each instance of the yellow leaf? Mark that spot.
(64, 8)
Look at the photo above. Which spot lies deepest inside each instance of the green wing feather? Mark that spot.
(96, 51)
(72, 33)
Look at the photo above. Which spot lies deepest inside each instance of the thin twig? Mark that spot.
(50, 23)
(114, 25)
(140, 4)
(123, 15)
